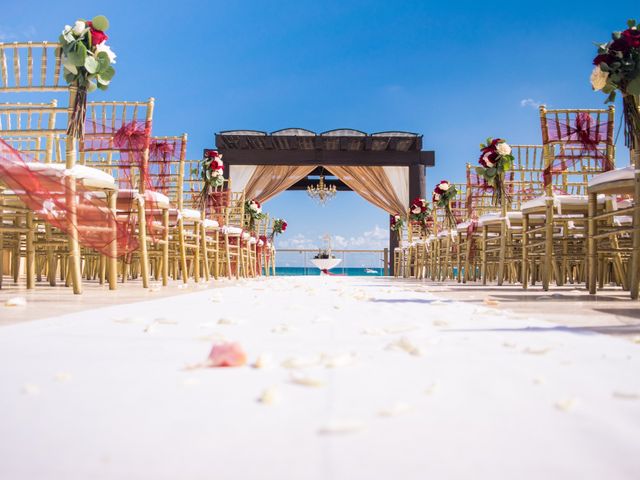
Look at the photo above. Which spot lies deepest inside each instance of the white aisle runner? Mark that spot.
(370, 380)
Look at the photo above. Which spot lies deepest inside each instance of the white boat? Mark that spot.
(369, 270)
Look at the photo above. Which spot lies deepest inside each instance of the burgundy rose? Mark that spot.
(284, 226)
(632, 37)
(620, 45)
(489, 159)
(97, 36)
(604, 58)
(211, 153)
(496, 141)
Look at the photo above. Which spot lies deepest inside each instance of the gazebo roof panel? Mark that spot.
(297, 132)
(343, 132)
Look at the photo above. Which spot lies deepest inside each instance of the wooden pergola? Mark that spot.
(340, 147)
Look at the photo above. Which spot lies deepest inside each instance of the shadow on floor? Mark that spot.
(607, 329)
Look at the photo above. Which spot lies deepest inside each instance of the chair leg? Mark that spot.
(31, 253)
(592, 246)
(183, 251)
(524, 271)
(634, 264)
(142, 238)
(547, 261)
(483, 272)
(165, 247)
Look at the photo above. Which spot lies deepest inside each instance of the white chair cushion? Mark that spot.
(210, 223)
(443, 233)
(227, 230)
(617, 175)
(190, 214)
(253, 240)
(514, 215)
(464, 225)
(89, 177)
(158, 199)
(490, 217)
(559, 201)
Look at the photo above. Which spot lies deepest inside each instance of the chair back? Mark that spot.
(578, 143)
(31, 67)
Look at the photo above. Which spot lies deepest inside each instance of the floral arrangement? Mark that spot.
(253, 210)
(419, 212)
(87, 61)
(323, 255)
(397, 224)
(211, 172)
(495, 160)
(442, 196)
(279, 226)
(617, 68)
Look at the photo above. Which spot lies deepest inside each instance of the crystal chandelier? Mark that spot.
(321, 192)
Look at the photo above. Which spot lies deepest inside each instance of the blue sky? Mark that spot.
(456, 72)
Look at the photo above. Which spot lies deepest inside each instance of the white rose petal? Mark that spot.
(487, 161)
(444, 186)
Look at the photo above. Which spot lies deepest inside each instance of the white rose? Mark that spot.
(488, 162)
(103, 47)
(79, 27)
(599, 78)
(416, 210)
(503, 148)
(217, 173)
(444, 186)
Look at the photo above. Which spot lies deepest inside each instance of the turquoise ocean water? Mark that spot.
(349, 271)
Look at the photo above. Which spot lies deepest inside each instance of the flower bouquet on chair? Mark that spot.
(279, 227)
(211, 173)
(617, 67)
(419, 213)
(397, 224)
(87, 61)
(495, 160)
(253, 212)
(442, 196)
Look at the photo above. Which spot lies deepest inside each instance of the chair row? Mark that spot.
(570, 217)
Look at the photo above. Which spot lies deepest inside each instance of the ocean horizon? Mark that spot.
(346, 271)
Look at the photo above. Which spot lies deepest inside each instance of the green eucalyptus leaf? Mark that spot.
(91, 86)
(70, 77)
(91, 64)
(491, 172)
(102, 81)
(107, 73)
(103, 61)
(100, 22)
(631, 23)
(101, 86)
(480, 170)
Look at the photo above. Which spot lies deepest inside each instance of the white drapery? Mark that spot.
(240, 176)
(399, 179)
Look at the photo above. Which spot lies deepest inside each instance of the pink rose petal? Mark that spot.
(227, 355)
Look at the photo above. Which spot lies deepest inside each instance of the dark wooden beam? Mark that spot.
(327, 157)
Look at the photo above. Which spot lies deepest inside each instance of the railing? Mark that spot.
(307, 255)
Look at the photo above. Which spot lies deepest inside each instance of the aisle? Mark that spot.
(370, 379)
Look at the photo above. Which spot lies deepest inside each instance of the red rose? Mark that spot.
(284, 226)
(211, 153)
(632, 37)
(496, 141)
(97, 36)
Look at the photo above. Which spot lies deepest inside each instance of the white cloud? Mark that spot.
(530, 102)
(18, 34)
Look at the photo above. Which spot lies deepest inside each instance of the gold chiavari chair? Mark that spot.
(444, 248)
(578, 144)
(35, 67)
(47, 161)
(504, 232)
(128, 162)
(232, 233)
(213, 216)
(621, 223)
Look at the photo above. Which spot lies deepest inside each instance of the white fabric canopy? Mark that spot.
(240, 176)
(399, 179)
